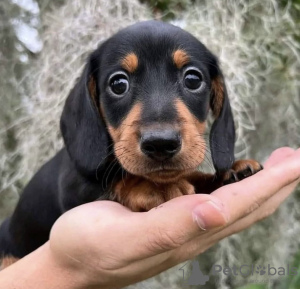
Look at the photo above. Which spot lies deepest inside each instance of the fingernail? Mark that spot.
(209, 215)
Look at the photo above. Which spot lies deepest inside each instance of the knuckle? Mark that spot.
(254, 206)
(164, 240)
(284, 151)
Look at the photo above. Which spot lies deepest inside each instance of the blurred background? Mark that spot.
(43, 46)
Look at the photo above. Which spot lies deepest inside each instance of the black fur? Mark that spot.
(222, 135)
(78, 173)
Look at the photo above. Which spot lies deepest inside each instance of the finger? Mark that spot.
(174, 223)
(204, 242)
(158, 232)
(145, 234)
(169, 226)
(267, 209)
(198, 245)
(247, 195)
(278, 155)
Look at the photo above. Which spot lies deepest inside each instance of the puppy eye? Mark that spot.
(192, 79)
(119, 84)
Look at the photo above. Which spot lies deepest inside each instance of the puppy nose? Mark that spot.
(160, 145)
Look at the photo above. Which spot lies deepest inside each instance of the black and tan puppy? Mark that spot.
(133, 128)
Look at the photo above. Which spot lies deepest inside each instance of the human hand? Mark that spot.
(108, 246)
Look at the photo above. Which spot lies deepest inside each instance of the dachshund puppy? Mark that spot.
(134, 132)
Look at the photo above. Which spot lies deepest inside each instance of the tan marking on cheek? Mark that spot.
(130, 62)
(192, 133)
(126, 128)
(217, 88)
(115, 133)
(188, 118)
(180, 58)
(125, 136)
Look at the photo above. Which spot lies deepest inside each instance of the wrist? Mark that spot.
(41, 269)
(67, 275)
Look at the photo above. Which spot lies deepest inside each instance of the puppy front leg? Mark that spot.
(207, 183)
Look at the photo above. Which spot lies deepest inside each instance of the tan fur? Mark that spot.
(125, 137)
(180, 58)
(127, 147)
(130, 62)
(128, 128)
(193, 143)
(141, 195)
(217, 87)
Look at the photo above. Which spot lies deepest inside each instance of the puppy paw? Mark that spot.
(240, 170)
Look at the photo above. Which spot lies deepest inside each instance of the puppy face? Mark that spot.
(154, 95)
(152, 85)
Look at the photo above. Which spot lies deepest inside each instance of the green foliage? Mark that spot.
(167, 9)
(292, 282)
(254, 286)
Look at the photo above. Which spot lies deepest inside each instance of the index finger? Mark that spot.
(247, 195)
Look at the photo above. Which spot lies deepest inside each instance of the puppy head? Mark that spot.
(146, 92)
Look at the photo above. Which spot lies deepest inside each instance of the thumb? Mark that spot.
(113, 232)
(176, 222)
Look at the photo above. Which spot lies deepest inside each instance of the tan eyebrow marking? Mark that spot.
(180, 58)
(130, 62)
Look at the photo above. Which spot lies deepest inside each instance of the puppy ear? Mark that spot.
(222, 135)
(82, 125)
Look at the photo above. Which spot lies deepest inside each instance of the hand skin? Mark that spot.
(104, 245)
